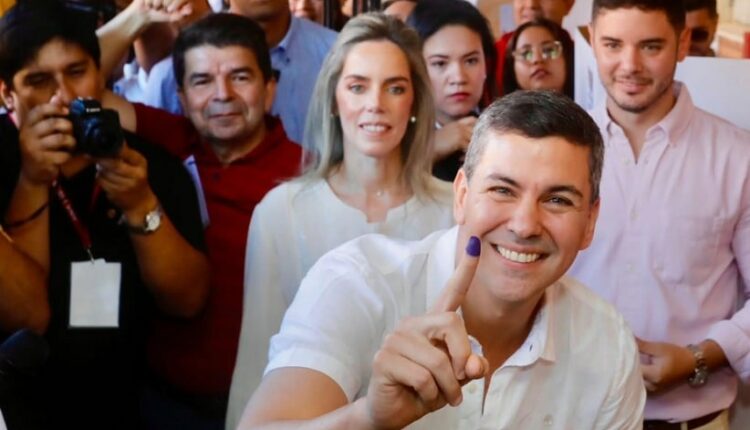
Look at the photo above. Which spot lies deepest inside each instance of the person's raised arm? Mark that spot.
(46, 141)
(419, 369)
(117, 35)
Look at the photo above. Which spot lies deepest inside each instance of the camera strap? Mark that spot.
(80, 228)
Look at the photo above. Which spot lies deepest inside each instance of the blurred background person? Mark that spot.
(539, 57)
(314, 10)
(702, 18)
(371, 125)
(525, 11)
(399, 8)
(460, 57)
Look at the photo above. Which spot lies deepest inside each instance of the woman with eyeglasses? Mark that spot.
(459, 50)
(539, 57)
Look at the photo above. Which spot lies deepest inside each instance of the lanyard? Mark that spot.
(80, 228)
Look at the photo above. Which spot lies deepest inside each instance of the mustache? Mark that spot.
(633, 78)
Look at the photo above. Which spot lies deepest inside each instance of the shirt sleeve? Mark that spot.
(733, 335)
(623, 407)
(268, 243)
(174, 133)
(335, 323)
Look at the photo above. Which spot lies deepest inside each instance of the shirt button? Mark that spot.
(548, 420)
(634, 215)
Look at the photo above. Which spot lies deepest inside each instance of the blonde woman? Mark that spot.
(371, 122)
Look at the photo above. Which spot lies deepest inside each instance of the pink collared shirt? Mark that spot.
(672, 244)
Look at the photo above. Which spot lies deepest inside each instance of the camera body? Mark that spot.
(97, 130)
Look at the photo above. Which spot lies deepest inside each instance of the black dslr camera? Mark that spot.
(97, 130)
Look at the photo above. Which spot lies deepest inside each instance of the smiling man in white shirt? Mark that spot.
(385, 334)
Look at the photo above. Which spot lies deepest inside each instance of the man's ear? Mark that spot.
(591, 226)
(7, 96)
(183, 100)
(460, 191)
(270, 94)
(683, 44)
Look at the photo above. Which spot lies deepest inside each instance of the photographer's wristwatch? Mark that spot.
(700, 373)
(151, 222)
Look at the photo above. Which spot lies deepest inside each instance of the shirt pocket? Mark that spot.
(686, 250)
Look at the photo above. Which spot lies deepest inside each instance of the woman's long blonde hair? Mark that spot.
(323, 133)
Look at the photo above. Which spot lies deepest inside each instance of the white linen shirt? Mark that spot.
(577, 369)
(672, 244)
(294, 225)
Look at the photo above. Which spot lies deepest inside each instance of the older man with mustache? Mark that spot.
(236, 152)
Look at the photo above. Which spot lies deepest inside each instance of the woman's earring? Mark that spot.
(413, 119)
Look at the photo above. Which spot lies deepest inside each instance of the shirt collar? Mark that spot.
(275, 136)
(283, 46)
(673, 124)
(539, 343)
(677, 120)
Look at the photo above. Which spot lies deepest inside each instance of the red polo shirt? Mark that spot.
(501, 47)
(198, 355)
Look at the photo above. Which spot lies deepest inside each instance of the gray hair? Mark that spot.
(539, 114)
(323, 133)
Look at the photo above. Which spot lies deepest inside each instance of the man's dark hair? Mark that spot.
(31, 24)
(674, 9)
(510, 81)
(222, 30)
(709, 5)
(430, 16)
(536, 115)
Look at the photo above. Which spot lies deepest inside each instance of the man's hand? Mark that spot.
(423, 364)
(46, 142)
(668, 365)
(125, 181)
(164, 10)
(453, 137)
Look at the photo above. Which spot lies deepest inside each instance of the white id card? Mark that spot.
(94, 294)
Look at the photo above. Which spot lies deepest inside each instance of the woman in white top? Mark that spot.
(371, 122)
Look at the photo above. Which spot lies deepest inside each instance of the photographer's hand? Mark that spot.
(173, 270)
(125, 181)
(46, 142)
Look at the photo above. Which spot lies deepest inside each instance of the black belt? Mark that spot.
(691, 424)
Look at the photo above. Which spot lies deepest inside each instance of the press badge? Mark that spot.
(95, 294)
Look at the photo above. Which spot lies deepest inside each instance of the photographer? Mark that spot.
(114, 224)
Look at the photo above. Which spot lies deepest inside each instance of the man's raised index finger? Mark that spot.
(454, 292)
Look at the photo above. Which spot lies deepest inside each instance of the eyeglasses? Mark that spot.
(548, 50)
